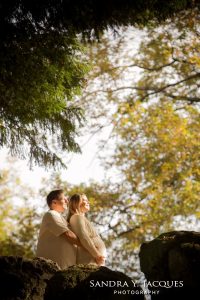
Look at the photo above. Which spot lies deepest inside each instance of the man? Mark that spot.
(56, 241)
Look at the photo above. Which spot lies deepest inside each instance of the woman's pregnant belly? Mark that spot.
(99, 244)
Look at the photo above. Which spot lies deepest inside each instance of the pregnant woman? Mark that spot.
(93, 250)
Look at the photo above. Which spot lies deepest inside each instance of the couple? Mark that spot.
(72, 241)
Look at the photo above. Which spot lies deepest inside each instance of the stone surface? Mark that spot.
(173, 256)
(24, 279)
(40, 279)
(85, 282)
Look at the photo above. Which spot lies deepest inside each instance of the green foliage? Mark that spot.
(169, 61)
(40, 76)
(89, 17)
(22, 240)
(19, 223)
(42, 69)
(159, 160)
(5, 206)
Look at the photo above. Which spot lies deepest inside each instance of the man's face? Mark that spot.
(61, 203)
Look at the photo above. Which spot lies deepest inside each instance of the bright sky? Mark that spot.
(81, 167)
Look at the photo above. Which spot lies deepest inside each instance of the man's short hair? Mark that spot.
(53, 195)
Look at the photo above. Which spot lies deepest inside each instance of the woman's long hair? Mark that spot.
(74, 205)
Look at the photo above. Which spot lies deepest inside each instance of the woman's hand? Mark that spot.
(100, 260)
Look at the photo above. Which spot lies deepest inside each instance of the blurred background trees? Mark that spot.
(148, 99)
(20, 218)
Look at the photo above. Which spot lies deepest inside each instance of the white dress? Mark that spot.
(91, 241)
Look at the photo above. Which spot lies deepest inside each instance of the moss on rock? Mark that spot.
(89, 282)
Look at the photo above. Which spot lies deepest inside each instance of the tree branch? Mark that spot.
(142, 67)
(128, 230)
(160, 90)
(186, 98)
(146, 88)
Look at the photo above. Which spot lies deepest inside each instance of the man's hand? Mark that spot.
(72, 238)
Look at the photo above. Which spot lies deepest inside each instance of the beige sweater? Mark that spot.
(91, 241)
(51, 242)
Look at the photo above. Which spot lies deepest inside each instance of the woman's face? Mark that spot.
(84, 204)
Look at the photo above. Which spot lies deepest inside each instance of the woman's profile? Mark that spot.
(93, 250)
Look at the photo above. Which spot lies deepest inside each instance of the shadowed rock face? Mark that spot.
(39, 279)
(86, 282)
(173, 256)
(24, 279)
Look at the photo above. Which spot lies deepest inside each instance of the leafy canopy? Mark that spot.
(40, 76)
(158, 158)
(90, 17)
(42, 68)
